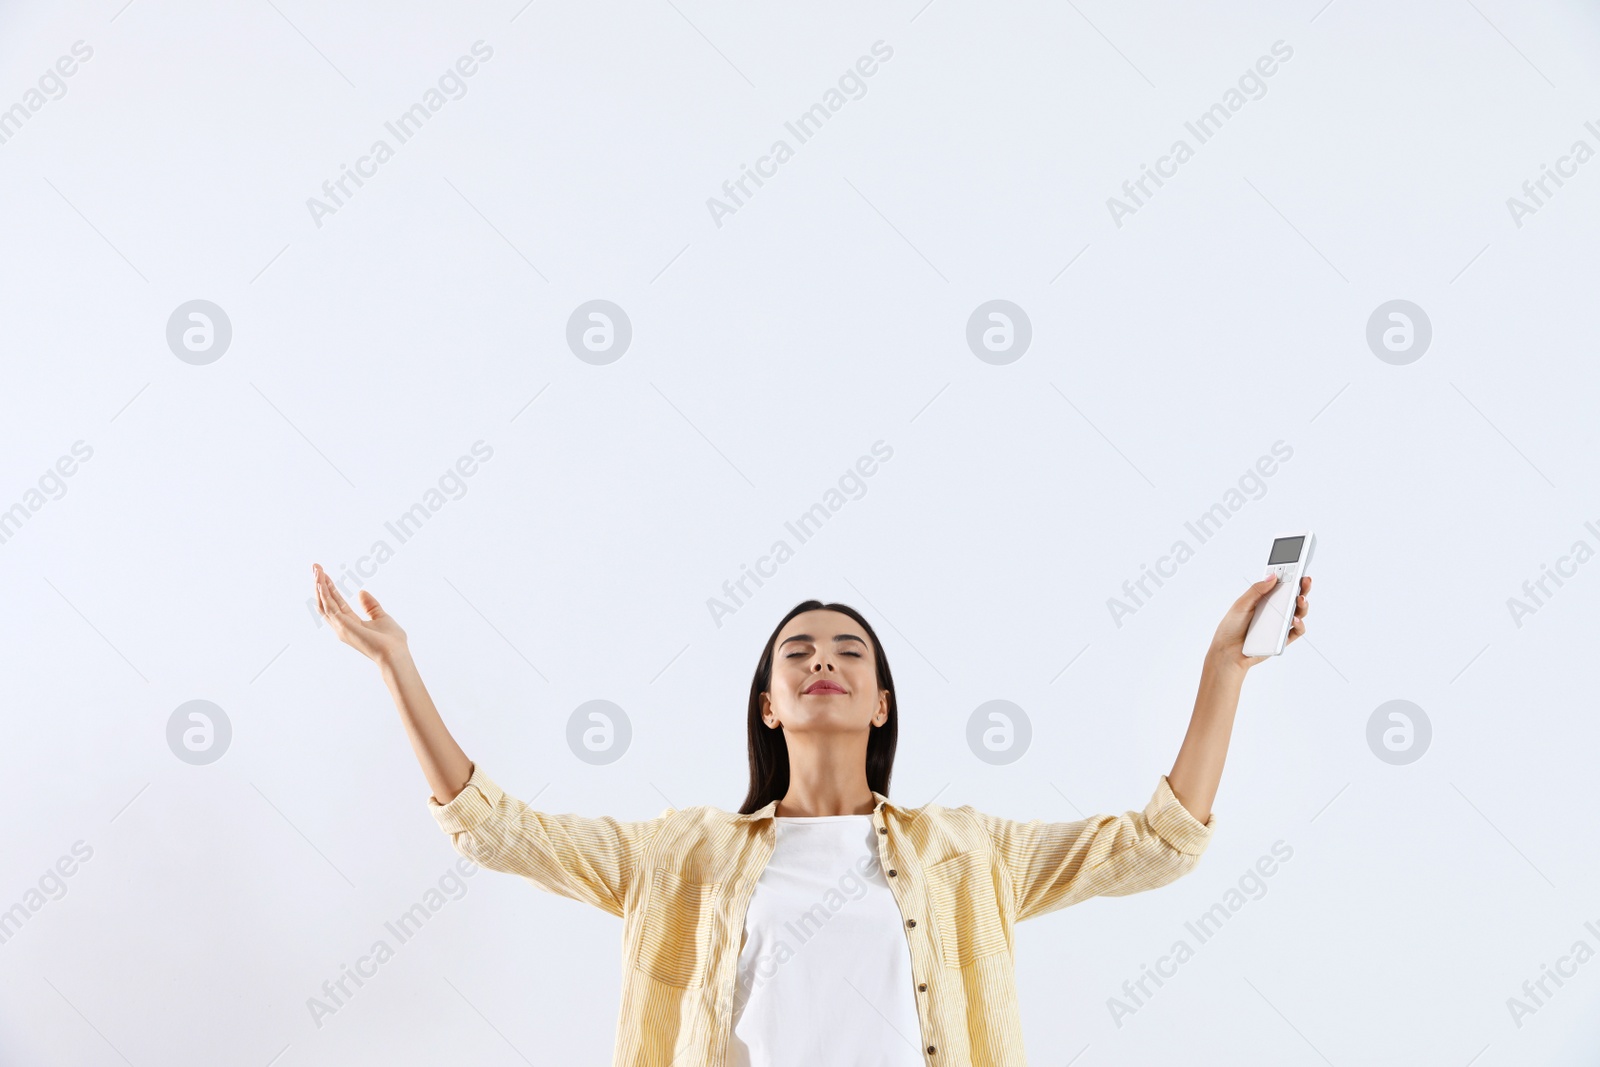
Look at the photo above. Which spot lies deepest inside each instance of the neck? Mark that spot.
(826, 777)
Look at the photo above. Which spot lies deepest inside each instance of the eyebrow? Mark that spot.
(808, 637)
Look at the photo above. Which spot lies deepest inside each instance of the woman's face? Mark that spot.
(824, 676)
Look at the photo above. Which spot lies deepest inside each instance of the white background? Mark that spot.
(828, 313)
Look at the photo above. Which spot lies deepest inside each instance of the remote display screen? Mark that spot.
(1285, 550)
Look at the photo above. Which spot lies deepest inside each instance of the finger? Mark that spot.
(316, 583)
(1301, 607)
(1255, 592)
(339, 615)
(1296, 630)
(370, 603)
(335, 596)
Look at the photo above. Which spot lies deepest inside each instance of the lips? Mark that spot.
(824, 687)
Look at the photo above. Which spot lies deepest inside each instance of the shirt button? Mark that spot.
(931, 1050)
(883, 829)
(911, 922)
(922, 987)
(893, 872)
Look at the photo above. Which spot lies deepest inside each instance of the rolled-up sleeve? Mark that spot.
(1053, 864)
(589, 859)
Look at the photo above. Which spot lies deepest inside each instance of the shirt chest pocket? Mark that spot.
(963, 894)
(676, 929)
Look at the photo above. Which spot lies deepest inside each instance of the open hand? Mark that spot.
(1228, 642)
(378, 636)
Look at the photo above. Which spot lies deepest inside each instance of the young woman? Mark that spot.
(821, 923)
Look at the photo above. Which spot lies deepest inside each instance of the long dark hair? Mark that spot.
(769, 752)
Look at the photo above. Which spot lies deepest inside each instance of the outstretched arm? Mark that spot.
(593, 860)
(380, 639)
(1198, 770)
(1053, 864)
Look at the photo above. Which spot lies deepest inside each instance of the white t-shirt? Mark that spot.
(824, 967)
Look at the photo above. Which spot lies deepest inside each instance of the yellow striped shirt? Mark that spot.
(681, 882)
